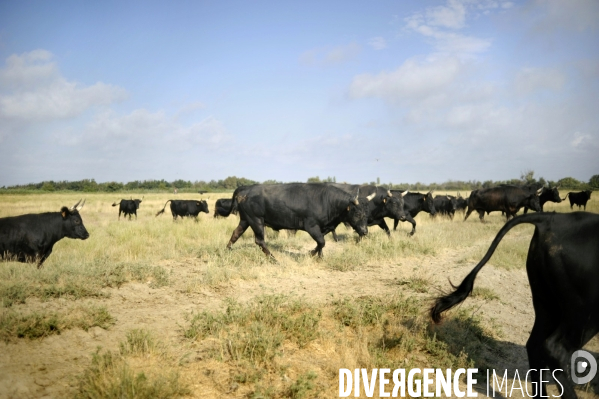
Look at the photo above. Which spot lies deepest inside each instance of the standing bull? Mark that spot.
(222, 207)
(128, 207)
(563, 272)
(508, 199)
(579, 199)
(30, 238)
(312, 207)
(185, 208)
(547, 195)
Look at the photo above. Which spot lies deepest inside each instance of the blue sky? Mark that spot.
(403, 91)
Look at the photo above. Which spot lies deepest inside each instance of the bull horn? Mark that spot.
(389, 193)
(540, 191)
(371, 196)
(355, 200)
(404, 193)
(76, 207)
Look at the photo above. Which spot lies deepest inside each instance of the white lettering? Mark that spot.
(541, 381)
(516, 378)
(369, 386)
(471, 381)
(426, 382)
(533, 383)
(504, 379)
(559, 383)
(399, 383)
(382, 382)
(456, 383)
(344, 389)
(412, 383)
(443, 382)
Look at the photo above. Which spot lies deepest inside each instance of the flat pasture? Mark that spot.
(152, 307)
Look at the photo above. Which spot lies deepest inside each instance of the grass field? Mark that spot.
(157, 308)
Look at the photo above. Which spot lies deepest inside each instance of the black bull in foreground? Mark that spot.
(563, 272)
(30, 238)
(191, 208)
(312, 207)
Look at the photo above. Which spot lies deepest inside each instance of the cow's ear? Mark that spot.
(64, 212)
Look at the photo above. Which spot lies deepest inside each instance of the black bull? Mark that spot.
(312, 207)
(191, 208)
(30, 238)
(563, 272)
(579, 199)
(508, 199)
(128, 207)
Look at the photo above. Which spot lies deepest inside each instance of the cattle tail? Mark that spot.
(563, 271)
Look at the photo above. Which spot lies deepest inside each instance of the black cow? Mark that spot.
(579, 198)
(128, 207)
(461, 203)
(446, 205)
(222, 207)
(381, 204)
(414, 203)
(547, 195)
(563, 272)
(508, 199)
(313, 207)
(30, 238)
(186, 208)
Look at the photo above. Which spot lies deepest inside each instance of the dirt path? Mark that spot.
(47, 368)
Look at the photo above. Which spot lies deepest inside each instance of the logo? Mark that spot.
(583, 362)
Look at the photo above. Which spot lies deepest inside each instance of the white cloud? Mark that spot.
(580, 140)
(32, 89)
(578, 15)
(378, 43)
(414, 80)
(530, 80)
(453, 15)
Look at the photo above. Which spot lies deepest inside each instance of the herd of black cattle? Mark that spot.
(562, 263)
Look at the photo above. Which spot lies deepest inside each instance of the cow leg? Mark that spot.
(258, 229)
(538, 357)
(335, 236)
(241, 228)
(411, 220)
(468, 212)
(316, 234)
(395, 223)
(481, 216)
(569, 336)
(383, 225)
(526, 209)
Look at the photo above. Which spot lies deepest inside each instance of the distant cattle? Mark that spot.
(508, 199)
(128, 207)
(222, 207)
(461, 203)
(563, 272)
(313, 207)
(414, 203)
(579, 199)
(30, 238)
(191, 208)
(547, 195)
(446, 205)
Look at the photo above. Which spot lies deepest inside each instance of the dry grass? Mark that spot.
(265, 346)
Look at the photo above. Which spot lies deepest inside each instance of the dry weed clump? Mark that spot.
(142, 368)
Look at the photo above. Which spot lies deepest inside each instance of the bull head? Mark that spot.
(77, 207)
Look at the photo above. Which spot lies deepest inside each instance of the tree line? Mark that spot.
(232, 182)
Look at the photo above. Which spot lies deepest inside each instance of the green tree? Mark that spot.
(594, 182)
(314, 179)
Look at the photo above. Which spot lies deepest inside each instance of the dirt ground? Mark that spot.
(47, 368)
